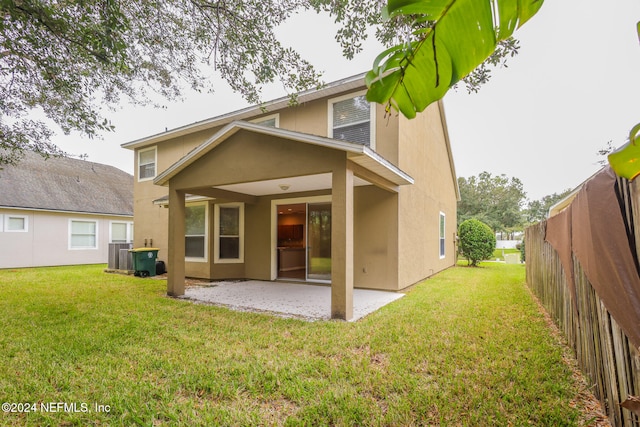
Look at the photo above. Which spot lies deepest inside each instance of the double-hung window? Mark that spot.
(196, 232)
(229, 233)
(147, 164)
(121, 232)
(351, 119)
(83, 234)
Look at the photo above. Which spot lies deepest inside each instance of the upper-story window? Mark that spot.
(272, 120)
(351, 119)
(147, 164)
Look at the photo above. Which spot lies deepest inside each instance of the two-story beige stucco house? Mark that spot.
(332, 190)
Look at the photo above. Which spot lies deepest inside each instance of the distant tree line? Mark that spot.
(501, 203)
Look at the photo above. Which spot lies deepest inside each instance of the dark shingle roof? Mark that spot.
(65, 184)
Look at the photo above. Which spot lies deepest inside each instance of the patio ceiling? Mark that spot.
(294, 184)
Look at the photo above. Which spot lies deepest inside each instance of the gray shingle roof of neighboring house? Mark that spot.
(66, 184)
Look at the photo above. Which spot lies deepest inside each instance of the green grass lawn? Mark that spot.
(321, 265)
(467, 347)
(499, 254)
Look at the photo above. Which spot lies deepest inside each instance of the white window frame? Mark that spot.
(7, 217)
(155, 163)
(83, 248)
(205, 258)
(216, 234)
(372, 116)
(442, 233)
(265, 118)
(129, 232)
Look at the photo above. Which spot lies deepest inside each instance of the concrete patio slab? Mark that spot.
(292, 300)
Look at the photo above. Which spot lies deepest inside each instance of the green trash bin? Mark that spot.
(144, 261)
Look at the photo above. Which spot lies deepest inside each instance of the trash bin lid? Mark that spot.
(143, 249)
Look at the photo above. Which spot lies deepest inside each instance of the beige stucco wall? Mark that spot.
(387, 135)
(375, 238)
(306, 117)
(46, 241)
(248, 157)
(424, 156)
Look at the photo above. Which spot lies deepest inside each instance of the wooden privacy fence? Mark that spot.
(605, 354)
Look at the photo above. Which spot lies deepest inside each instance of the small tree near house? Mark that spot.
(477, 241)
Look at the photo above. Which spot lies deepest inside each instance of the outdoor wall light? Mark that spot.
(284, 187)
(625, 161)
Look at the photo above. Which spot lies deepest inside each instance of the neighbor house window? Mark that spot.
(121, 232)
(271, 121)
(147, 164)
(350, 119)
(196, 232)
(229, 233)
(83, 234)
(16, 223)
(442, 234)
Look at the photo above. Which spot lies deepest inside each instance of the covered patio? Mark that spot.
(289, 300)
(239, 162)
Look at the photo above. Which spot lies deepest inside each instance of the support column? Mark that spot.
(177, 212)
(342, 244)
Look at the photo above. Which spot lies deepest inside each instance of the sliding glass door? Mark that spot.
(319, 241)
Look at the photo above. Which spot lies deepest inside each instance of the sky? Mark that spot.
(573, 87)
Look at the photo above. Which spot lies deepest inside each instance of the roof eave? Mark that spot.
(347, 84)
(452, 166)
(65, 211)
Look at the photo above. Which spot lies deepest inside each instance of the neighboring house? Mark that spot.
(332, 190)
(62, 211)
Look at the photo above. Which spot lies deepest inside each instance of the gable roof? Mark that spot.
(357, 153)
(341, 86)
(66, 185)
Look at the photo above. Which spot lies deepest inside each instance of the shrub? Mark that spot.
(522, 251)
(477, 241)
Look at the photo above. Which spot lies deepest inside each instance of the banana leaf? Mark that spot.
(462, 35)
